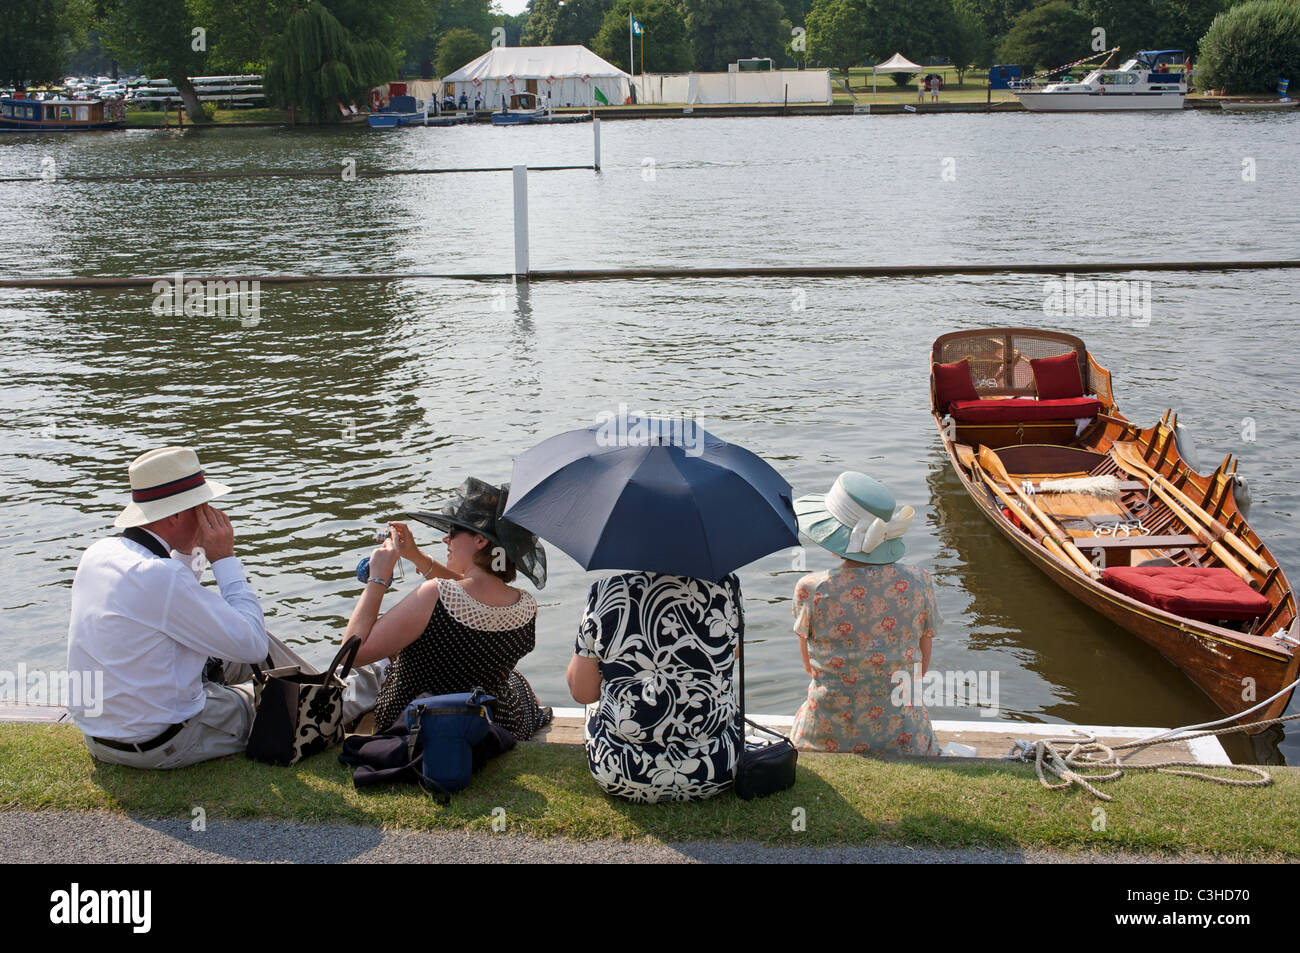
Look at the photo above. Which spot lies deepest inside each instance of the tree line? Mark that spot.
(315, 53)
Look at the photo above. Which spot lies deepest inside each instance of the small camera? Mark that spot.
(363, 567)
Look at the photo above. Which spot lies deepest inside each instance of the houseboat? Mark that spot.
(60, 115)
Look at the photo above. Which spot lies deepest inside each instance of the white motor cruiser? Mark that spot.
(1148, 81)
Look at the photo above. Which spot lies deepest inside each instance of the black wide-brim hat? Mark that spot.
(477, 507)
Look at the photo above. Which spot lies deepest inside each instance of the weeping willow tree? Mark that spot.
(319, 63)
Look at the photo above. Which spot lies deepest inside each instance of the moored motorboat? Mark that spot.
(1113, 514)
(526, 109)
(1144, 82)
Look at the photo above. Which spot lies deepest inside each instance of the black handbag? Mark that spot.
(298, 715)
(765, 767)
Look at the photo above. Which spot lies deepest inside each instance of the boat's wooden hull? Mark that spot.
(1215, 661)
(1235, 669)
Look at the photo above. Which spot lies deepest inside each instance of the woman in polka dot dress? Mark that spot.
(465, 626)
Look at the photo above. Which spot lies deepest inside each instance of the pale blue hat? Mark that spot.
(855, 520)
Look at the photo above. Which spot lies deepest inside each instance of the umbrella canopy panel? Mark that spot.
(656, 508)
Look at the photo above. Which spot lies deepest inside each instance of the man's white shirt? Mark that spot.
(150, 626)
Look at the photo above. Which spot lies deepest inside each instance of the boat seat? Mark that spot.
(1191, 592)
(1133, 542)
(1119, 549)
(1018, 410)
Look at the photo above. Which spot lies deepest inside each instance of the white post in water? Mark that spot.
(521, 221)
(595, 133)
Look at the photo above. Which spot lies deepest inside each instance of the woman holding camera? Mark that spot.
(465, 626)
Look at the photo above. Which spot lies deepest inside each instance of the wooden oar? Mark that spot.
(992, 463)
(1025, 520)
(1129, 456)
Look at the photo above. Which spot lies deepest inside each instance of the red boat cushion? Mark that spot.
(953, 382)
(1189, 591)
(1057, 378)
(1016, 410)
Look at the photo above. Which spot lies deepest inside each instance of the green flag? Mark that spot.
(600, 97)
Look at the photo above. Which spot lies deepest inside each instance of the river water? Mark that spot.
(345, 404)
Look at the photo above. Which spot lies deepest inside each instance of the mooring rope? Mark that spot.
(1086, 752)
(1089, 753)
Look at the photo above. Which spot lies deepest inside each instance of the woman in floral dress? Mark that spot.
(860, 623)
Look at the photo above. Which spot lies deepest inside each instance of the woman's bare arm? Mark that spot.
(400, 625)
(807, 662)
(584, 680)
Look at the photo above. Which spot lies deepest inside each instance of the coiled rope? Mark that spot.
(1087, 753)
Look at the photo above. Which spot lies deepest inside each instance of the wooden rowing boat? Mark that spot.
(1139, 536)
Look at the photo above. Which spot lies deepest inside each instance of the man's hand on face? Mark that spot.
(216, 535)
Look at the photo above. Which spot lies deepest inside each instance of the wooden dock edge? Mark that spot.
(991, 738)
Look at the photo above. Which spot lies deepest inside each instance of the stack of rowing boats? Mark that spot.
(1113, 514)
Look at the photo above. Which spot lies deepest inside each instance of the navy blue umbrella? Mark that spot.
(682, 501)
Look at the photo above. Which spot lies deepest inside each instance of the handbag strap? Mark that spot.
(740, 662)
(430, 786)
(349, 651)
(744, 720)
(476, 697)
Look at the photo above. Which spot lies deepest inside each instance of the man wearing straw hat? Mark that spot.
(171, 650)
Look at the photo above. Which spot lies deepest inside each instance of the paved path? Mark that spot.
(61, 837)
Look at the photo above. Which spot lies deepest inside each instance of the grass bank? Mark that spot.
(149, 118)
(547, 792)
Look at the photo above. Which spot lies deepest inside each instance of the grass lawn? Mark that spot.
(547, 792)
(974, 88)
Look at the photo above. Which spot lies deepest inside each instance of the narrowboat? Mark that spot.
(60, 115)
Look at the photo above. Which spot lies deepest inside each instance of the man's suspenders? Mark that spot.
(214, 667)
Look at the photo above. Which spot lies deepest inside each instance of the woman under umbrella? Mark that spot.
(656, 655)
(656, 648)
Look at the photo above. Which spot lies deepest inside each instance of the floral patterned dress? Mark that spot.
(665, 728)
(861, 626)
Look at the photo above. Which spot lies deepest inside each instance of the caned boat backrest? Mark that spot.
(1000, 359)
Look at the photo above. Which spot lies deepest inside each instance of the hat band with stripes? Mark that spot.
(164, 490)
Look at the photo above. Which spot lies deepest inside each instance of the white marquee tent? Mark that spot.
(898, 63)
(570, 75)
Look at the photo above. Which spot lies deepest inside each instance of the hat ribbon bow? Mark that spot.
(867, 530)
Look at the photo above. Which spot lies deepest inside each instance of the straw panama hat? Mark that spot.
(855, 520)
(165, 482)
